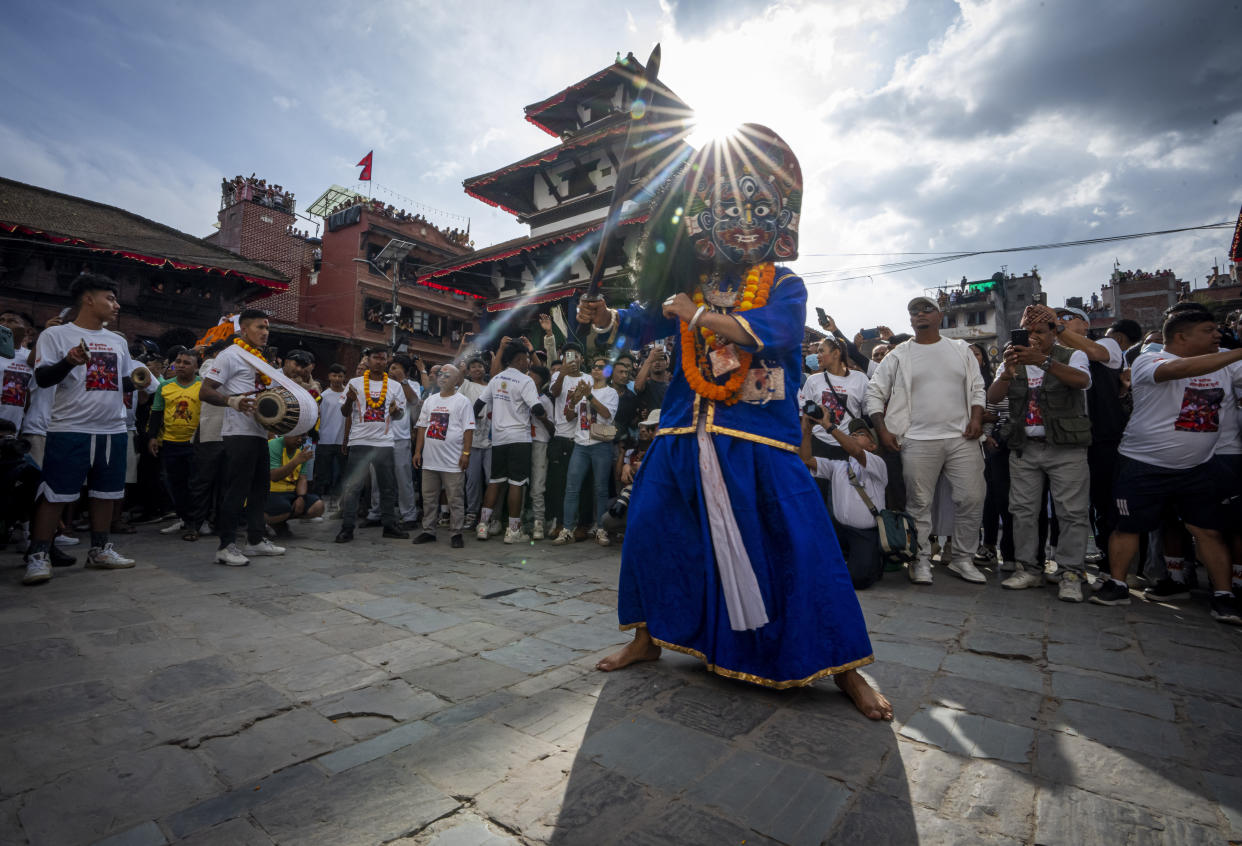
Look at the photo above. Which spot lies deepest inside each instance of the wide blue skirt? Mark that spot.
(670, 584)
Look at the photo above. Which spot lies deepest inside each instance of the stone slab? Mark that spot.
(654, 753)
(272, 744)
(463, 679)
(786, 802)
(970, 735)
(157, 781)
(376, 747)
(531, 655)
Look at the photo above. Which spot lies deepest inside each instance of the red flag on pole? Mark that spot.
(365, 164)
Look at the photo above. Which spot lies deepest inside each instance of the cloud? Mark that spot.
(284, 103)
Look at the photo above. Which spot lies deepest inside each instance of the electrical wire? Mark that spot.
(864, 271)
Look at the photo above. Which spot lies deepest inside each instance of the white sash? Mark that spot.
(737, 576)
(308, 409)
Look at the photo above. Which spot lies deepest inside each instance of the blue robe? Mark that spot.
(669, 579)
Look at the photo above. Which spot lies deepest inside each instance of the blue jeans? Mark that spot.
(598, 459)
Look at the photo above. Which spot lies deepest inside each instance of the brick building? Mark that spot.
(338, 301)
(173, 286)
(259, 222)
(986, 311)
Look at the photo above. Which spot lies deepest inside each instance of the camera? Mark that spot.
(813, 410)
(622, 503)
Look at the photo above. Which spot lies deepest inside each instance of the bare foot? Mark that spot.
(641, 648)
(865, 698)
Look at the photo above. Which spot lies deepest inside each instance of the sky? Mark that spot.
(922, 127)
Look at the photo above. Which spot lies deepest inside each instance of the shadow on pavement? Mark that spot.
(674, 754)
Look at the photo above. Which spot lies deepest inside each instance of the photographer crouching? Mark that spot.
(861, 470)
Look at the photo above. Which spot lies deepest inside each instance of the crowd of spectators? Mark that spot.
(456, 236)
(241, 188)
(1097, 462)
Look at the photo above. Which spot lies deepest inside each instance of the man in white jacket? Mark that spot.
(926, 399)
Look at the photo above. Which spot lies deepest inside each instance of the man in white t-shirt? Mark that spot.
(374, 407)
(1168, 453)
(399, 369)
(592, 403)
(561, 447)
(541, 431)
(513, 399)
(86, 436)
(926, 400)
(445, 431)
(481, 452)
(1047, 435)
(330, 462)
(851, 519)
(16, 377)
(233, 381)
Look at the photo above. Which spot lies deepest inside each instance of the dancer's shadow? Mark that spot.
(674, 754)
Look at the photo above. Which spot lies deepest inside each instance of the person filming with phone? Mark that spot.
(1048, 434)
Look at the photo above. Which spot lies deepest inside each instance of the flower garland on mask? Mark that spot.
(695, 362)
(241, 342)
(374, 403)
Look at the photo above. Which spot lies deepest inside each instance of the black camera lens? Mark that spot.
(812, 410)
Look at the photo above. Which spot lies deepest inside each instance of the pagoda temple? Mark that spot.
(563, 194)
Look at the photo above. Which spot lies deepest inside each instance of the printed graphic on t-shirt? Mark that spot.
(373, 415)
(833, 402)
(1200, 410)
(128, 398)
(101, 372)
(586, 415)
(182, 410)
(16, 386)
(437, 425)
(1034, 417)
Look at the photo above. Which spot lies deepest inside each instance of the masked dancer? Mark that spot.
(745, 573)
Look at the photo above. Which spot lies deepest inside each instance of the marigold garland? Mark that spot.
(241, 342)
(756, 288)
(375, 403)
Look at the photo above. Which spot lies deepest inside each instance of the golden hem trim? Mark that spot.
(750, 677)
(746, 328)
(713, 429)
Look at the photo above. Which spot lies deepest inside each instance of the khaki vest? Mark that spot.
(1064, 409)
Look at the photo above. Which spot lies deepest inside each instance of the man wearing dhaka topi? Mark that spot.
(745, 574)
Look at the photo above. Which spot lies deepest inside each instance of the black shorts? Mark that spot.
(281, 502)
(1196, 495)
(510, 463)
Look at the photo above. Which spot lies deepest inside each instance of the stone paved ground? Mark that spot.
(387, 693)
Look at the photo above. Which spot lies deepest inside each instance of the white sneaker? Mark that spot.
(205, 529)
(38, 569)
(968, 571)
(173, 528)
(65, 540)
(537, 531)
(566, 536)
(263, 547)
(1052, 572)
(516, 536)
(493, 528)
(920, 572)
(1070, 589)
(231, 556)
(601, 537)
(480, 531)
(107, 558)
(1021, 580)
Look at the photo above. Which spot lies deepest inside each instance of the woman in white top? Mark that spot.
(839, 390)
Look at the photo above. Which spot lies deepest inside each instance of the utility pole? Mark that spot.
(392, 255)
